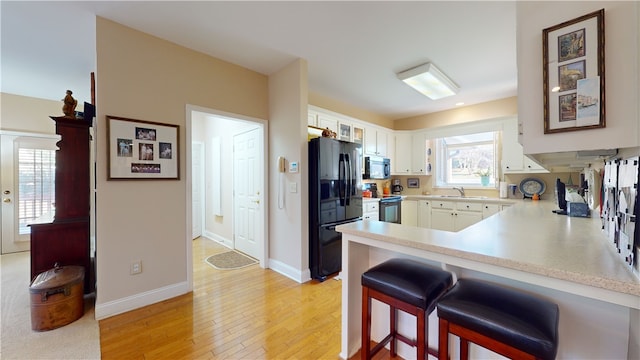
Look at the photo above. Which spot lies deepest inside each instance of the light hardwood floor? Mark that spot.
(249, 313)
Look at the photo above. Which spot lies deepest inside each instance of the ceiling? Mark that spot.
(353, 49)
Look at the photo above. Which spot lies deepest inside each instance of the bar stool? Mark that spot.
(509, 322)
(410, 286)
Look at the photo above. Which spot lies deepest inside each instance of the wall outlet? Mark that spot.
(136, 267)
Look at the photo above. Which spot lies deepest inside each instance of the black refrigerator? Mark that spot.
(335, 198)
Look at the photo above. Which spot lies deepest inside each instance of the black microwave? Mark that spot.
(376, 168)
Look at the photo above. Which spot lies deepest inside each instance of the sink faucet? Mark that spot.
(460, 190)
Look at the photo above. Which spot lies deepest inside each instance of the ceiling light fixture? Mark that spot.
(430, 81)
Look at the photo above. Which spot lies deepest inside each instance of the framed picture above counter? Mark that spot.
(573, 72)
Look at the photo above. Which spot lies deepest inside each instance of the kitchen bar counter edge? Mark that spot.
(526, 239)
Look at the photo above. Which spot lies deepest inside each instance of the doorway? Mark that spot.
(233, 208)
(28, 186)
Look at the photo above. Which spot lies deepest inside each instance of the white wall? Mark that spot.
(288, 232)
(621, 75)
(143, 77)
(22, 113)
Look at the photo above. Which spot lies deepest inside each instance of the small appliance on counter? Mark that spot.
(373, 188)
(397, 188)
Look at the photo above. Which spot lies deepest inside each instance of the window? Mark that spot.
(462, 159)
(36, 192)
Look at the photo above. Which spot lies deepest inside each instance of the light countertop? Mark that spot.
(526, 237)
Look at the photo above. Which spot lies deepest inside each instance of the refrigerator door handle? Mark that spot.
(341, 180)
(348, 179)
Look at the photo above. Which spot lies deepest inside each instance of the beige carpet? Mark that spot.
(78, 340)
(230, 260)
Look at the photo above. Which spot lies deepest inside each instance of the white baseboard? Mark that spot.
(222, 240)
(290, 272)
(111, 308)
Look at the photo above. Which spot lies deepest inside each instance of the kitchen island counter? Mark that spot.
(527, 245)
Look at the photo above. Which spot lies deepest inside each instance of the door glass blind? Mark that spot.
(36, 191)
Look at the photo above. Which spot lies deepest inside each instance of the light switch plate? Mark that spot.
(293, 187)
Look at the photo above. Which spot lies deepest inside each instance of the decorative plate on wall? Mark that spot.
(531, 186)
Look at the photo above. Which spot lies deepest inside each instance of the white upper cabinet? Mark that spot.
(513, 158)
(418, 154)
(402, 159)
(328, 122)
(410, 154)
(312, 118)
(375, 141)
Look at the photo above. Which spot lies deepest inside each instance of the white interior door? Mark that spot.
(27, 181)
(248, 192)
(197, 189)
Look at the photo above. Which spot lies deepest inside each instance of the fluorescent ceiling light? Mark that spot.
(429, 81)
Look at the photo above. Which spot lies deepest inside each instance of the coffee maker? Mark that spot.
(396, 188)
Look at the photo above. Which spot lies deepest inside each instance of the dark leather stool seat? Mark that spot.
(509, 322)
(404, 284)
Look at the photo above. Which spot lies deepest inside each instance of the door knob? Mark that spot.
(7, 200)
(256, 201)
(6, 192)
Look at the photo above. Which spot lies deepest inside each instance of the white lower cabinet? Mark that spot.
(371, 210)
(409, 213)
(490, 209)
(424, 213)
(454, 216)
(463, 219)
(442, 219)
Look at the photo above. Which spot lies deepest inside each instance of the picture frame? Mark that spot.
(573, 74)
(142, 150)
(413, 182)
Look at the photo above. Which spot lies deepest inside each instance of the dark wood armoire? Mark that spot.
(66, 240)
